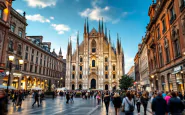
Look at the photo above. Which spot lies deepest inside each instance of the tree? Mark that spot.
(125, 82)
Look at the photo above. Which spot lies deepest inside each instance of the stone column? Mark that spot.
(174, 82)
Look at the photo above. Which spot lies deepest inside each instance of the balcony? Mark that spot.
(172, 18)
(93, 70)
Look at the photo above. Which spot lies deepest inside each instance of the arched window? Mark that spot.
(93, 45)
(80, 76)
(73, 76)
(106, 68)
(73, 68)
(81, 59)
(106, 59)
(106, 76)
(114, 67)
(93, 63)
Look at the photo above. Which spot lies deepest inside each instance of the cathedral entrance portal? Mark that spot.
(93, 84)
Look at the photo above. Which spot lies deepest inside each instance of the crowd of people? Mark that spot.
(162, 103)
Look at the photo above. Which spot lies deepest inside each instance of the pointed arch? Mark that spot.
(93, 45)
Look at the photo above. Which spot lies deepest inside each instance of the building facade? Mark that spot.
(95, 63)
(143, 67)
(41, 67)
(137, 74)
(166, 45)
(131, 73)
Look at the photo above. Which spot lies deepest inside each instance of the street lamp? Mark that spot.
(10, 58)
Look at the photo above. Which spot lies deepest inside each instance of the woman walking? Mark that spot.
(144, 101)
(107, 101)
(98, 97)
(128, 104)
(116, 102)
(138, 103)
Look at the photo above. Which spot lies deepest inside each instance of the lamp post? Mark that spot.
(10, 58)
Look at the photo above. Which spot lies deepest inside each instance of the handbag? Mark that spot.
(131, 107)
(123, 109)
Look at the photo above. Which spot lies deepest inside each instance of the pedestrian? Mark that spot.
(20, 98)
(117, 102)
(167, 98)
(102, 96)
(41, 97)
(53, 94)
(98, 98)
(128, 104)
(14, 100)
(180, 95)
(159, 106)
(138, 103)
(144, 101)
(2, 102)
(107, 101)
(72, 101)
(175, 105)
(36, 98)
(163, 94)
(67, 97)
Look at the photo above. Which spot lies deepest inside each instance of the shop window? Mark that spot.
(93, 63)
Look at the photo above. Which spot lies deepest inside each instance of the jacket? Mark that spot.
(106, 99)
(117, 102)
(159, 105)
(175, 105)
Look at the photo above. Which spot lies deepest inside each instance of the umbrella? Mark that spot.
(36, 88)
(11, 87)
(4, 87)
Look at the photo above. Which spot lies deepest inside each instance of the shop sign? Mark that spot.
(2, 74)
(177, 69)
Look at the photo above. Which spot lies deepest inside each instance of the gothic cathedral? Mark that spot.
(96, 63)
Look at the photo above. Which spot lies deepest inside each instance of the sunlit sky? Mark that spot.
(57, 20)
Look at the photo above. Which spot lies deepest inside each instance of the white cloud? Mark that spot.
(41, 3)
(52, 18)
(60, 28)
(37, 18)
(129, 62)
(96, 12)
(116, 21)
(20, 11)
(124, 14)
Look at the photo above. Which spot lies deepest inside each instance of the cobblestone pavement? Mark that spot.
(58, 106)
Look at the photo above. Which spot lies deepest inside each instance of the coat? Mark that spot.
(117, 102)
(159, 105)
(175, 105)
(106, 99)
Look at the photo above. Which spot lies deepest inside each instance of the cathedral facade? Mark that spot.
(95, 63)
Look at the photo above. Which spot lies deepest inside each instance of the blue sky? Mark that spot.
(57, 20)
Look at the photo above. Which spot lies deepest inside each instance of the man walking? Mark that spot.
(175, 105)
(36, 98)
(67, 97)
(159, 106)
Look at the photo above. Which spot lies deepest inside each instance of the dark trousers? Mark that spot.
(67, 101)
(145, 108)
(36, 100)
(129, 113)
(107, 107)
(138, 106)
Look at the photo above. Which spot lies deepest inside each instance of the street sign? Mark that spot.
(3, 74)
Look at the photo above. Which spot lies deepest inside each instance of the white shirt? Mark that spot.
(125, 103)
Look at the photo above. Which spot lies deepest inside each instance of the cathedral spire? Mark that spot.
(87, 26)
(99, 27)
(105, 31)
(109, 37)
(60, 52)
(85, 29)
(102, 26)
(77, 38)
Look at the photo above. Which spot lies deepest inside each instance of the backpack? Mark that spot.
(131, 107)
